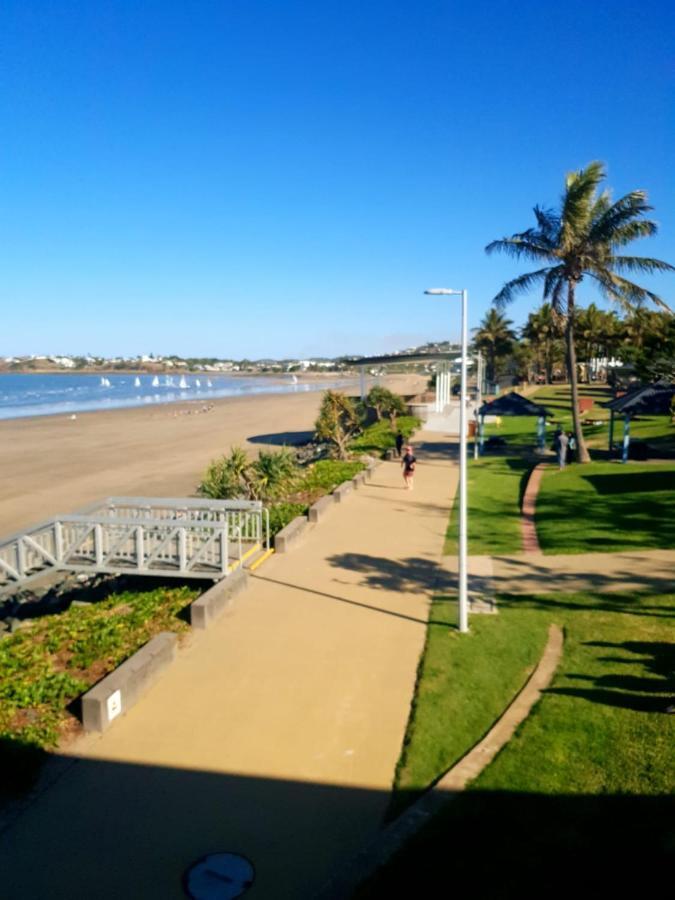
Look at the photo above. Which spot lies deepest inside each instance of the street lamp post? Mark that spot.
(462, 579)
(479, 399)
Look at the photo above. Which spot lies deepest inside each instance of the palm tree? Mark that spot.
(495, 338)
(580, 241)
(543, 330)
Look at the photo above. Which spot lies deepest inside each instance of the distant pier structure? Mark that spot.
(437, 413)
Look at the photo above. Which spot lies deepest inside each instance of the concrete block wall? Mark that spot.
(292, 535)
(320, 509)
(218, 598)
(342, 491)
(120, 690)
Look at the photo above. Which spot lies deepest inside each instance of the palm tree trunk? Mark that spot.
(582, 452)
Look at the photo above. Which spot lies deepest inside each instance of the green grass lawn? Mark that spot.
(607, 507)
(494, 486)
(520, 431)
(495, 659)
(583, 793)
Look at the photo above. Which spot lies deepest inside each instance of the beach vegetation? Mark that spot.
(226, 478)
(386, 404)
(338, 422)
(272, 475)
(379, 437)
(54, 659)
(584, 238)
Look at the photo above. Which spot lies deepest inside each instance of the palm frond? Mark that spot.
(625, 293)
(632, 231)
(553, 288)
(578, 201)
(640, 264)
(528, 244)
(602, 203)
(518, 286)
(549, 223)
(627, 209)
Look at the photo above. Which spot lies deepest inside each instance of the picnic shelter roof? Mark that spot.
(512, 404)
(648, 400)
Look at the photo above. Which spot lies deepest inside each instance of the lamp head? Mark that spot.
(441, 292)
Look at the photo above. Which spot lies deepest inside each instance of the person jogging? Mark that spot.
(408, 463)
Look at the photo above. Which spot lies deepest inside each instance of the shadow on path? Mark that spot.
(366, 606)
(407, 575)
(281, 438)
(111, 830)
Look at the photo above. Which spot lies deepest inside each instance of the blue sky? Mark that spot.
(247, 178)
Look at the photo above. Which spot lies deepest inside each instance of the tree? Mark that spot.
(395, 408)
(378, 398)
(543, 330)
(338, 421)
(650, 345)
(581, 240)
(386, 403)
(494, 337)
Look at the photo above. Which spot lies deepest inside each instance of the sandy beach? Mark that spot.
(53, 464)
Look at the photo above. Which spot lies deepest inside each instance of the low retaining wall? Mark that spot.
(320, 509)
(342, 491)
(120, 690)
(359, 480)
(290, 536)
(212, 603)
(370, 469)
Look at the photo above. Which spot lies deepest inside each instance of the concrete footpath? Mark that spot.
(275, 734)
(537, 573)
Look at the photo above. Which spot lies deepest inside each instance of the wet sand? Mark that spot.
(52, 464)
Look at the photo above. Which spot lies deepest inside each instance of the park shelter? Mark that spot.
(514, 404)
(646, 400)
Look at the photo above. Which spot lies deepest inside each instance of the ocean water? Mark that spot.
(67, 394)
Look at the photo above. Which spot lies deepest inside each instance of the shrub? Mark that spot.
(338, 422)
(227, 478)
(273, 474)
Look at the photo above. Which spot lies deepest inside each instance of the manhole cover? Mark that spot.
(219, 876)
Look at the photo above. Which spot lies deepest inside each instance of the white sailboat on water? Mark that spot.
(197, 382)
(137, 381)
(208, 382)
(182, 383)
(105, 382)
(155, 381)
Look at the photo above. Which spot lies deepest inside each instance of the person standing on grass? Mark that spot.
(563, 442)
(408, 464)
(399, 444)
(571, 446)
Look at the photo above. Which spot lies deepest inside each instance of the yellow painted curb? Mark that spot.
(262, 559)
(235, 565)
